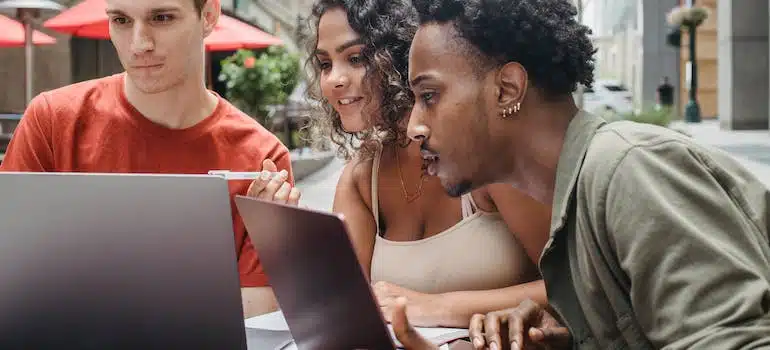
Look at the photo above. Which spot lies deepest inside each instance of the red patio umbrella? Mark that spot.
(12, 34)
(231, 34)
(87, 19)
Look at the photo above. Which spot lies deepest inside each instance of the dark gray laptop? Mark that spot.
(117, 261)
(319, 284)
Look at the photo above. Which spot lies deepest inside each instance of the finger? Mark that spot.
(294, 196)
(268, 165)
(282, 195)
(250, 190)
(519, 321)
(476, 331)
(536, 334)
(404, 331)
(550, 335)
(387, 313)
(259, 184)
(379, 296)
(382, 288)
(492, 330)
(268, 193)
(384, 300)
(516, 331)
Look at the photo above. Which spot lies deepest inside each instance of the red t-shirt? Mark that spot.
(91, 127)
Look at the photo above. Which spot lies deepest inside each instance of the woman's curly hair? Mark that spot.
(386, 28)
(542, 35)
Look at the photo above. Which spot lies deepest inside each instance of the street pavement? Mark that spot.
(751, 148)
(318, 188)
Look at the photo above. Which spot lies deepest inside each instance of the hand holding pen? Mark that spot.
(274, 185)
(268, 184)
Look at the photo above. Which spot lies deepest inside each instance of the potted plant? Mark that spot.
(257, 81)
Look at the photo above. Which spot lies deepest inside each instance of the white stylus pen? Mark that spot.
(240, 175)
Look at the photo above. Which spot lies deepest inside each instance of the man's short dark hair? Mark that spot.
(542, 35)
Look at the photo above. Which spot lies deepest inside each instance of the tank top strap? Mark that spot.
(469, 206)
(375, 200)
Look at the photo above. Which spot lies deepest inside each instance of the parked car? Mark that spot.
(608, 97)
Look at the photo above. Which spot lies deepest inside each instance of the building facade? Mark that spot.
(743, 77)
(732, 55)
(630, 37)
(282, 18)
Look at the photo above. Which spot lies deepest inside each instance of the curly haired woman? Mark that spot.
(449, 257)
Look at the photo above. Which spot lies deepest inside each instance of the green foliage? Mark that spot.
(256, 81)
(661, 116)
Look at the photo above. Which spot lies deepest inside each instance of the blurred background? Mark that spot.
(700, 67)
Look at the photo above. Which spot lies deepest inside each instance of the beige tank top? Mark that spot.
(477, 253)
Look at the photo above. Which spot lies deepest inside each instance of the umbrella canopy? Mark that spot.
(12, 34)
(88, 19)
(231, 34)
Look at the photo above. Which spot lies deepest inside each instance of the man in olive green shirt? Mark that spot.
(655, 242)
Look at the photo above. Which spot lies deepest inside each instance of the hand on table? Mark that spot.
(528, 326)
(276, 188)
(405, 332)
(424, 310)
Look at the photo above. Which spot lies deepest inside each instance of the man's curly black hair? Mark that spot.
(386, 28)
(542, 35)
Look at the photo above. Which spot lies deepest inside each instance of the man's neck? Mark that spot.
(536, 152)
(179, 107)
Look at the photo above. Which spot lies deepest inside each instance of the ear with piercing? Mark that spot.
(507, 112)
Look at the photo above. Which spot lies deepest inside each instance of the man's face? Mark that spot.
(452, 109)
(159, 42)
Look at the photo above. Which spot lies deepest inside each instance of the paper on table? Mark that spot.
(273, 321)
(293, 346)
(436, 336)
(264, 339)
(276, 322)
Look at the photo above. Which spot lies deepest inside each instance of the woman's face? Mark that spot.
(342, 71)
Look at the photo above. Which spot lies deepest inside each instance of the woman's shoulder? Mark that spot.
(358, 169)
(357, 173)
(483, 199)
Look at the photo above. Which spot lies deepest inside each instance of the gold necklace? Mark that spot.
(409, 198)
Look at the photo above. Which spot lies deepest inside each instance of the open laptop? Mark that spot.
(117, 261)
(316, 277)
(324, 295)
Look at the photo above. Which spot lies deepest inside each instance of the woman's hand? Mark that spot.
(274, 188)
(423, 310)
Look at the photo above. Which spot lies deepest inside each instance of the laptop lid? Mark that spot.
(117, 261)
(314, 272)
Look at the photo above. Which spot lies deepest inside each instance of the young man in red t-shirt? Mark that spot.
(157, 117)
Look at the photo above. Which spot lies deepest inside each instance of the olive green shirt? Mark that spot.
(656, 242)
